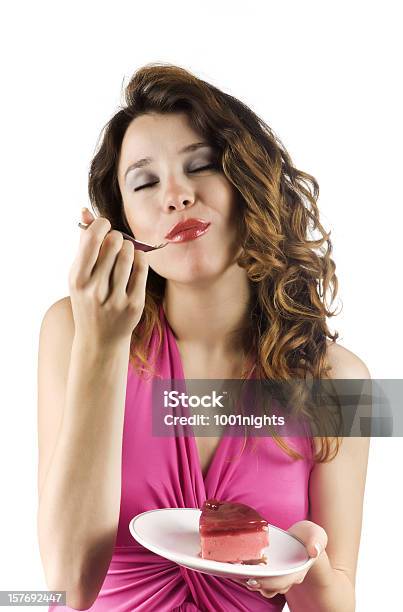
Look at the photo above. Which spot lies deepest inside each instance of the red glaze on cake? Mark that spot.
(232, 532)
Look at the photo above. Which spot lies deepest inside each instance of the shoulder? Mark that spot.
(344, 363)
(58, 319)
(61, 307)
(336, 487)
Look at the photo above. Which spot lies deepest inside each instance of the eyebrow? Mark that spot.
(145, 161)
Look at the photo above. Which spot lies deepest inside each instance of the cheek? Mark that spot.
(143, 226)
(224, 202)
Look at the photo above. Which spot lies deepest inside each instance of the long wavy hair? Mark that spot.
(289, 270)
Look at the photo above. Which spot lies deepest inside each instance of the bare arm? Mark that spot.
(82, 374)
(79, 496)
(336, 504)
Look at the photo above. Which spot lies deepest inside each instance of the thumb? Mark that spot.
(86, 216)
(312, 535)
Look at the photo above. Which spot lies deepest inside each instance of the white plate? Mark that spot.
(173, 533)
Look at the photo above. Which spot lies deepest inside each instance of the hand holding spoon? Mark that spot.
(141, 246)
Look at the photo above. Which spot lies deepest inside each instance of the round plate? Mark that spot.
(173, 533)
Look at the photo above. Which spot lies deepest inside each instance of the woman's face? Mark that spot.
(179, 189)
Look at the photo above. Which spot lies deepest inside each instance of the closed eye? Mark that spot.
(208, 167)
(204, 168)
(144, 186)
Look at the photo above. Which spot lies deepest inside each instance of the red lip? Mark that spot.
(197, 225)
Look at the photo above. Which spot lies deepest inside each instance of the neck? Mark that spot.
(209, 318)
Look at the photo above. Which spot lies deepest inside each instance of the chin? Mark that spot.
(187, 272)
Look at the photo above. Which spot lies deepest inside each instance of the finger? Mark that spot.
(239, 580)
(86, 215)
(280, 586)
(310, 534)
(122, 269)
(103, 271)
(87, 218)
(91, 240)
(299, 577)
(138, 277)
(270, 594)
(266, 584)
(315, 549)
(254, 584)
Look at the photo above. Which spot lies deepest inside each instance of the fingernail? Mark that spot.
(318, 549)
(84, 208)
(252, 582)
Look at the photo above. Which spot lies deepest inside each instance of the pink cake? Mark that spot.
(232, 532)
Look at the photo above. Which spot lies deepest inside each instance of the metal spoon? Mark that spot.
(140, 246)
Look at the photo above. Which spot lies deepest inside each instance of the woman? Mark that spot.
(240, 296)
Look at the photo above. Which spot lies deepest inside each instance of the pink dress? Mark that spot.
(165, 472)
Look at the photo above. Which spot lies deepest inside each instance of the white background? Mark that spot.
(323, 75)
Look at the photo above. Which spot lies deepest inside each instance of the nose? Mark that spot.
(179, 202)
(178, 197)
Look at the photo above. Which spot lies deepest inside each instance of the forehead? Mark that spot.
(153, 133)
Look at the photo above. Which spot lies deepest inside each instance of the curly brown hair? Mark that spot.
(290, 272)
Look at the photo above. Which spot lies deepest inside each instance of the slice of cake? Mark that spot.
(232, 532)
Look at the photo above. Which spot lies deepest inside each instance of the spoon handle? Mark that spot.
(140, 246)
